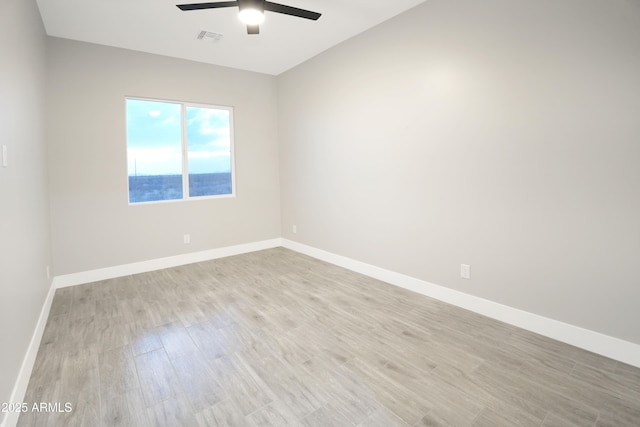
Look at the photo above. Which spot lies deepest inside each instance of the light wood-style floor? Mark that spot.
(275, 338)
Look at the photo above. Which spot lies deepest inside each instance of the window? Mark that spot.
(178, 151)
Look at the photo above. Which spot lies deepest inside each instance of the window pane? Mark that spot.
(209, 151)
(154, 150)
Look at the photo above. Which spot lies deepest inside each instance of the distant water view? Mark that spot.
(150, 188)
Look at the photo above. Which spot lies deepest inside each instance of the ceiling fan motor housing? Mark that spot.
(251, 4)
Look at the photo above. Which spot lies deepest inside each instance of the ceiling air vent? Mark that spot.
(209, 36)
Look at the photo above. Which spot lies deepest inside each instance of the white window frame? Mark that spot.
(185, 150)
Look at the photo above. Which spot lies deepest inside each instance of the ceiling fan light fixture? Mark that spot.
(252, 11)
(251, 16)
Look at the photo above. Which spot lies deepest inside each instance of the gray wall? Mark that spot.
(24, 226)
(92, 224)
(501, 134)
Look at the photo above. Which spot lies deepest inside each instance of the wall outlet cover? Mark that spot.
(465, 271)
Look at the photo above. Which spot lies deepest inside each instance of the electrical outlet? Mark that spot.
(294, 229)
(48, 272)
(465, 271)
(187, 239)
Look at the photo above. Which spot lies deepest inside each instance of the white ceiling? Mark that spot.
(158, 26)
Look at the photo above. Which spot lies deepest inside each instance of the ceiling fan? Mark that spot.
(252, 11)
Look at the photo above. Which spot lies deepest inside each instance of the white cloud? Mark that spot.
(207, 154)
(154, 161)
(168, 120)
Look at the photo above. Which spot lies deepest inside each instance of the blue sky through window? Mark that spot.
(209, 140)
(154, 138)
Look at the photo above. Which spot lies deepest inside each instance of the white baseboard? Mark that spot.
(605, 345)
(160, 263)
(20, 388)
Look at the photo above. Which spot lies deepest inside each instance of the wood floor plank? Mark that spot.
(241, 383)
(176, 340)
(199, 382)
(404, 403)
(383, 418)
(223, 414)
(491, 418)
(325, 416)
(117, 372)
(273, 414)
(289, 384)
(143, 338)
(536, 394)
(171, 413)
(127, 409)
(157, 377)
(346, 393)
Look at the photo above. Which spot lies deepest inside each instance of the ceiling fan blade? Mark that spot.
(289, 10)
(253, 29)
(200, 6)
